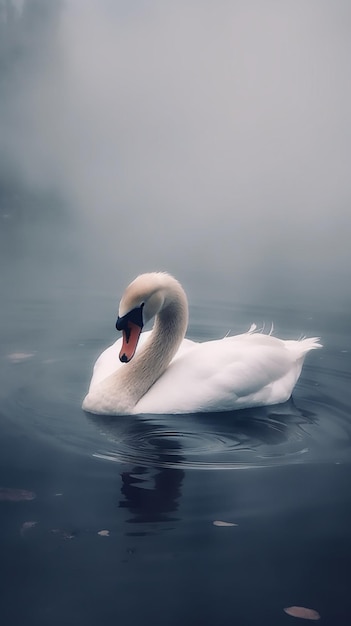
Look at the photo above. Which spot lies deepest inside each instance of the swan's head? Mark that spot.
(141, 301)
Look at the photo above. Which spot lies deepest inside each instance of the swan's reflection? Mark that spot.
(207, 441)
(154, 495)
(151, 497)
(157, 449)
(151, 494)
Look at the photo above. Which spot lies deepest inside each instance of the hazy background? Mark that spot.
(209, 139)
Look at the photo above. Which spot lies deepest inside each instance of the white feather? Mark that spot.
(235, 372)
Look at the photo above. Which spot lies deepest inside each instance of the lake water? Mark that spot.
(157, 484)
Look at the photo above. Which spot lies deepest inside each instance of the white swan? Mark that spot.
(170, 374)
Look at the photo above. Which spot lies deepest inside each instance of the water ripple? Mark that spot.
(44, 398)
(260, 437)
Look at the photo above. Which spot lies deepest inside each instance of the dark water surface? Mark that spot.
(157, 483)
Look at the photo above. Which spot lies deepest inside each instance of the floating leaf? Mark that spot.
(18, 357)
(26, 525)
(63, 533)
(302, 612)
(220, 523)
(15, 495)
(104, 533)
(68, 535)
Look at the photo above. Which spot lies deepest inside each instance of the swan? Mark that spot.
(160, 371)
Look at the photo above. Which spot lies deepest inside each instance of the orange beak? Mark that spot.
(131, 324)
(131, 336)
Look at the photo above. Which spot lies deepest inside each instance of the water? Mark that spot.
(157, 484)
(212, 144)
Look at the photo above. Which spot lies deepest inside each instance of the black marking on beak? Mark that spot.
(135, 316)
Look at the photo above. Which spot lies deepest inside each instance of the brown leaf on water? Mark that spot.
(26, 525)
(104, 533)
(220, 523)
(15, 495)
(302, 612)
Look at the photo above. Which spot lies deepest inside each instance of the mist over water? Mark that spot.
(209, 140)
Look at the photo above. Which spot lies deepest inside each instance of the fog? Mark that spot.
(209, 139)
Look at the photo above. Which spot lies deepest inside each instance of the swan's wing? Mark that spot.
(218, 375)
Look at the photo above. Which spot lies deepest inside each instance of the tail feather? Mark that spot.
(304, 345)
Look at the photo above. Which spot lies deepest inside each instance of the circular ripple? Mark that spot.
(315, 427)
(236, 440)
(44, 398)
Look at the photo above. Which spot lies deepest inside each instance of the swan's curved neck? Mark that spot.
(134, 379)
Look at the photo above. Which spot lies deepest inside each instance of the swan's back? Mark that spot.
(234, 372)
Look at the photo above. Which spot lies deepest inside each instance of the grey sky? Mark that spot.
(211, 139)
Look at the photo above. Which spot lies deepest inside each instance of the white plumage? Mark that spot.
(170, 374)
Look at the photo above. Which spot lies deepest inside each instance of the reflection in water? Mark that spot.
(160, 448)
(151, 495)
(239, 439)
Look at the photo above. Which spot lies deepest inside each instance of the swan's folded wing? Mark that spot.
(245, 370)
